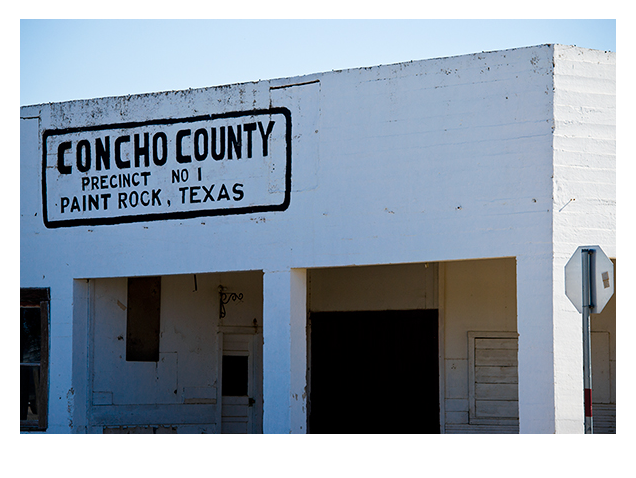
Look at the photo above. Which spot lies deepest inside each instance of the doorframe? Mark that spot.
(256, 372)
(441, 310)
(308, 372)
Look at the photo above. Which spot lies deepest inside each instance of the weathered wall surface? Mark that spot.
(584, 196)
(471, 296)
(603, 327)
(394, 287)
(434, 160)
(182, 390)
(450, 158)
(479, 297)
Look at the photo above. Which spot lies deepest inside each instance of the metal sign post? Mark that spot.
(588, 304)
(589, 284)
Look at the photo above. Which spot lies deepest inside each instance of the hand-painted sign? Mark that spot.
(231, 163)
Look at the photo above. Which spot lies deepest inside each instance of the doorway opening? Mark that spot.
(374, 372)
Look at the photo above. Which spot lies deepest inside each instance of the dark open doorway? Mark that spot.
(374, 372)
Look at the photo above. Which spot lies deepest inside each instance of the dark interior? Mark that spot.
(374, 372)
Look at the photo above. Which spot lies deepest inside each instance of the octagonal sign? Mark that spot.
(602, 279)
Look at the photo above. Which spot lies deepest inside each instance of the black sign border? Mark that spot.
(177, 214)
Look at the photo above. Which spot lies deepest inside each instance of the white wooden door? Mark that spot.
(241, 397)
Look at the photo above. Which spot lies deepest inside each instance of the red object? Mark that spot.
(588, 402)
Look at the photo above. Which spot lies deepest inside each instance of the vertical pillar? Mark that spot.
(568, 354)
(285, 351)
(81, 365)
(536, 353)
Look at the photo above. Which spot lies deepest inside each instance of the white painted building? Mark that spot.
(371, 250)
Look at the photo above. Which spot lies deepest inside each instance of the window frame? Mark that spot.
(39, 298)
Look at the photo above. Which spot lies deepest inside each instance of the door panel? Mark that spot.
(236, 413)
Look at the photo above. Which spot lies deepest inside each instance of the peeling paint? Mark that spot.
(70, 399)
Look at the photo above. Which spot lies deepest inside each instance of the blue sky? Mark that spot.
(62, 60)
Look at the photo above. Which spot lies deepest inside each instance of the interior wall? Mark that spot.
(479, 296)
(181, 389)
(387, 287)
(603, 327)
(472, 296)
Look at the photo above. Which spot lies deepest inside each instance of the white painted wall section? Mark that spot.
(537, 399)
(284, 351)
(584, 210)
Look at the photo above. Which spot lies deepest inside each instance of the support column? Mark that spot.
(568, 355)
(537, 412)
(285, 351)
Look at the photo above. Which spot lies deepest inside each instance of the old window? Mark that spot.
(142, 324)
(235, 375)
(34, 358)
